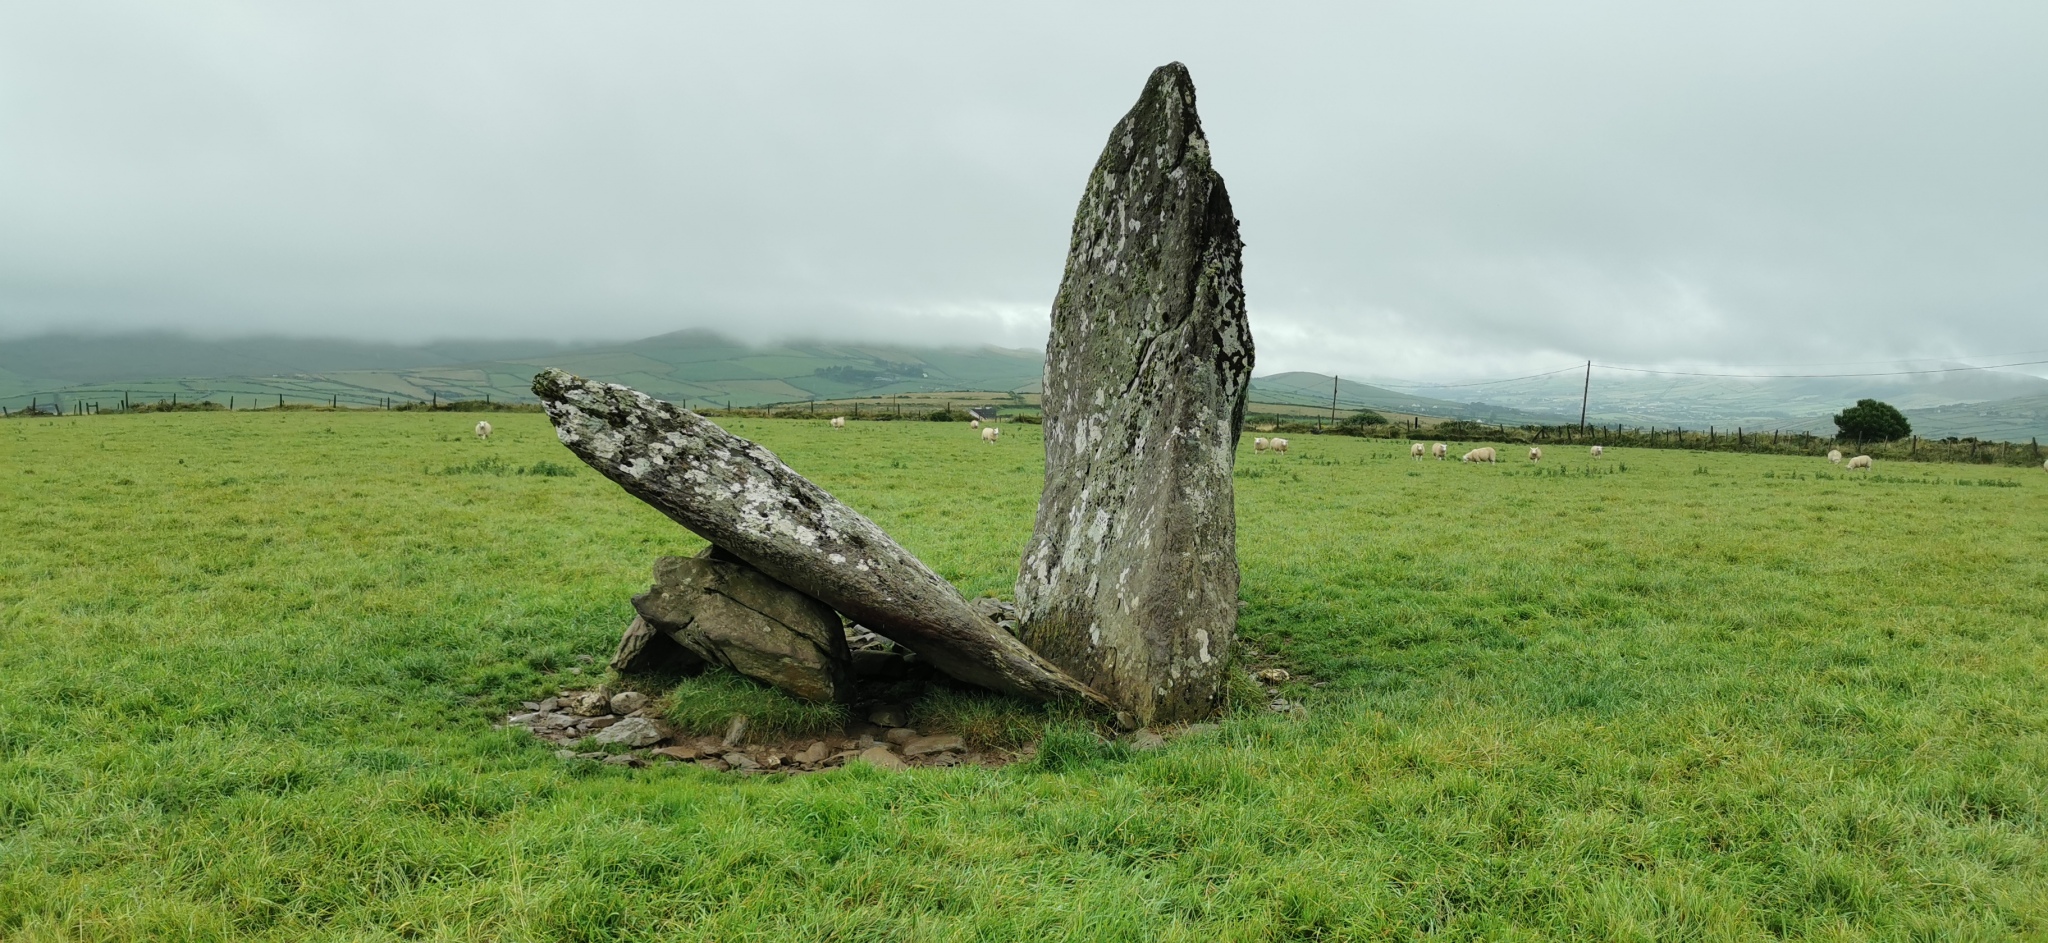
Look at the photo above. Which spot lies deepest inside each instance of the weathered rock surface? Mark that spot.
(731, 614)
(626, 702)
(740, 497)
(633, 732)
(1130, 579)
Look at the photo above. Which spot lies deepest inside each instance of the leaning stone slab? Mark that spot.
(1130, 579)
(644, 649)
(728, 613)
(743, 499)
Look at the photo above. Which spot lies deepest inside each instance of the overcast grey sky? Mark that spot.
(1426, 189)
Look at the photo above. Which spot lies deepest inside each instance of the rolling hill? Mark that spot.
(697, 367)
(1313, 389)
(702, 368)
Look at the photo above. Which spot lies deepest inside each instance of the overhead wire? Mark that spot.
(1817, 376)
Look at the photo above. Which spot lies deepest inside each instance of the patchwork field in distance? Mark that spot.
(249, 665)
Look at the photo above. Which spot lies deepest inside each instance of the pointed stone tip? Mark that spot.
(1172, 77)
(549, 384)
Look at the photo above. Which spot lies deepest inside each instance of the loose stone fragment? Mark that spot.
(626, 702)
(900, 735)
(882, 758)
(736, 730)
(1271, 675)
(937, 743)
(1130, 580)
(633, 732)
(589, 704)
(814, 754)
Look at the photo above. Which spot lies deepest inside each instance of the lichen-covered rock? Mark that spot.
(743, 499)
(1130, 579)
(729, 613)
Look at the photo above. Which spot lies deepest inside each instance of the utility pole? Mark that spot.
(1585, 393)
(1333, 400)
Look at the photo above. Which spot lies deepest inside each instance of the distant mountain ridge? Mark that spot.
(696, 367)
(703, 368)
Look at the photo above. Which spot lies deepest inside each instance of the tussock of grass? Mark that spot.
(987, 719)
(706, 703)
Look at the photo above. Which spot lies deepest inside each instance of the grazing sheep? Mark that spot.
(1834, 457)
(839, 422)
(1596, 451)
(1484, 454)
(1443, 451)
(1279, 446)
(1415, 451)
(1860, 461)
(2044, 466)
(973, 423)
(1259, 444)
(483, 430)
(989, 434)
(1535, 454)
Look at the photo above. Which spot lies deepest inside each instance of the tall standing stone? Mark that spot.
(1130, 580)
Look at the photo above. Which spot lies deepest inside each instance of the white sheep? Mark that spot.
(989, 433)
(1259, 444)
(1415, 451)
(1443, 450)
(1596, 451)
(1535, 454)
(1279, 446)
(839, 422)
(1834, 457)
(1482, 454)
(1860, 461)
(973, 423)
(2044, 466)
(483, 430)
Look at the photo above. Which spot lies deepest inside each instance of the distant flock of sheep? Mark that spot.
(989, 433)
(1278, 446)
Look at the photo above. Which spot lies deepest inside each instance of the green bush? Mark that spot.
(1872, 421)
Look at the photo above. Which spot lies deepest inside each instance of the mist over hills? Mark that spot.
(703, 368)
(694, 367)
(1635, 397)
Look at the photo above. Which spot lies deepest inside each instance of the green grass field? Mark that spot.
(249, 665)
